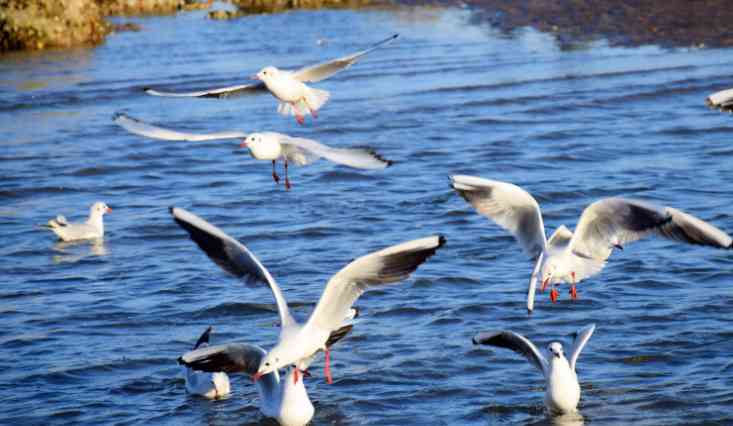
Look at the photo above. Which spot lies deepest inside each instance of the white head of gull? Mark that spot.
(269, 146)
(298, 343)
(296, 98)
(605, 225)
(562, 391)
(722, 100)
(92, 229)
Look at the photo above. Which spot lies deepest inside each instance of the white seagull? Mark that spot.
(562, 391)
(267, 146)
(288, 87)
(299, 342)
(283, 398)
(210, 384)
(92, 229)
(722, 100)
(570, 257)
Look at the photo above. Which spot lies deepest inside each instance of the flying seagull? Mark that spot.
(296, 98)
(267, 146)
(562, 391)
(92, 229)
(607, 224)
(299, 342)
(210, 384)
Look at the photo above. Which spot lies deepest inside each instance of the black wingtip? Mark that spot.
(357, 312)
(181, 361)
(441, 240)
(117, 115)
(204, 338)
(170, 209)
(474, 341)
(145, 89)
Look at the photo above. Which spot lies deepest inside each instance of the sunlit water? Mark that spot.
(91, 332)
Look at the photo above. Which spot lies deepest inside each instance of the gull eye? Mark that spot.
(267, 364)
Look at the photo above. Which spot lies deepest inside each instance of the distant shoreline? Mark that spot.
(35, 24)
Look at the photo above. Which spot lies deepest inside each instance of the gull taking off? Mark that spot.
(92, 229)
(722, 100)
(284, 399)
(210, 384)
(562, 391)
(607, 224)
(267, 146)
(296, 98)
(299, 342)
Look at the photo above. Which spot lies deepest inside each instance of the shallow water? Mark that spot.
(91, 332)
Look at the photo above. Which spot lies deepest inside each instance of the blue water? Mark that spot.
(91, 332)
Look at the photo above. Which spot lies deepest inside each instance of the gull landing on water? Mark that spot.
(562, 391)
(607, 224)
(283, 398)
(267, 146)
(722, 100)
(210, 384)
(299, 342)
(92, 229)
(288, 87)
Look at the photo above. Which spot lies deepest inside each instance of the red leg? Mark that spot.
(296, 373)
(573, 290)
(327, 369)
(275, 177)
(299, 118)
(544, 285)
(314, 113)
(287, 181)
(554, 294)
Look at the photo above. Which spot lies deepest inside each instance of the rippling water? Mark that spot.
(91, 332)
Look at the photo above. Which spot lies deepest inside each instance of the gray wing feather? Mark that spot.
(581, 337)
(515, 342)
(352, 157)
(229, 358)
(322, 71)
(223, 92)
(139, 127)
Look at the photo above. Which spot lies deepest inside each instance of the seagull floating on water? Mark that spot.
(722, 100)
(284, 399)
(296, 98)
(92, 229)
(210, 384)
(299, 342)
(267, 146)
(562, 391)
(607, 224)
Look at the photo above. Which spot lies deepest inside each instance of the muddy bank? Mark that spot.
(669, 23)
(271, 6)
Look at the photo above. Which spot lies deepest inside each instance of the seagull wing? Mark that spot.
(231, 255)
(581, 338)
(222, 92)
(303, 151)
(510, 206)
(515, 342)
(322, 71)
(141, 128)
(613, 222)
(388, 265)
(204, 339)
(229, 358)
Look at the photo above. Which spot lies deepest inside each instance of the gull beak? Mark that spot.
(243, 144)
(255, 77)
(544, 283)
(109, 210)
(256, 376)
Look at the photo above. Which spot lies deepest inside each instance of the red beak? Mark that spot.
(243, 144)
(254, 77)
(544, 284)
(256, 376)
(109, 210)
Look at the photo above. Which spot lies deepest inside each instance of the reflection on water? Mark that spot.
(74, 251)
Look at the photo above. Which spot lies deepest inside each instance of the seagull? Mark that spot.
(607, 224)
(92, 229)
(722, 100)
(296, 98)
(284, 399)
(211, 384)
(267, 146)
(299, 342)
(562, 391)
